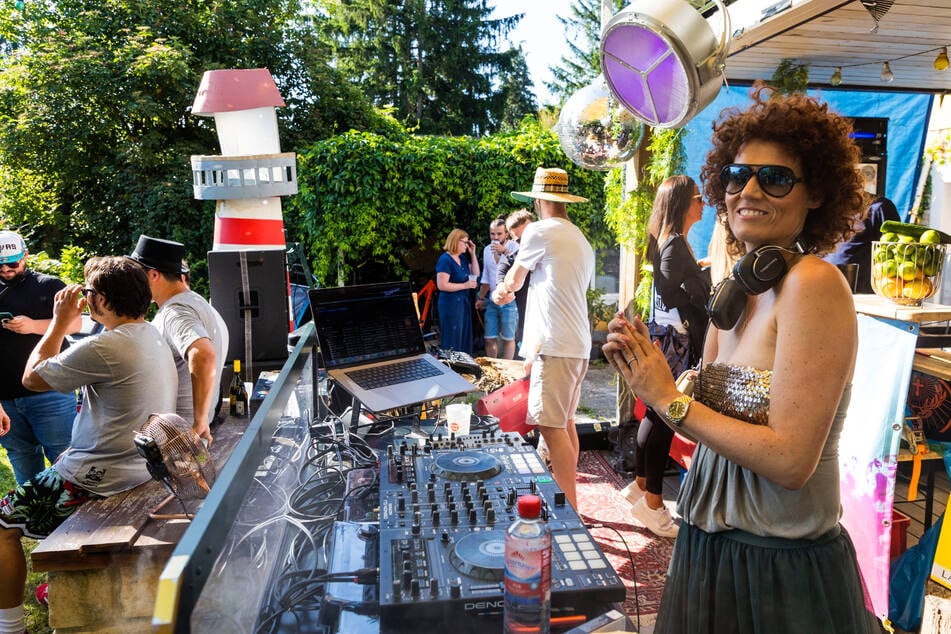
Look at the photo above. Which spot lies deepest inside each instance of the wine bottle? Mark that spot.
(237, 395)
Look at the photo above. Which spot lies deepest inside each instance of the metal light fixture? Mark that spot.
(595, 131)
(661, 60)
(941, 61)
(887, 74)
(836, 79)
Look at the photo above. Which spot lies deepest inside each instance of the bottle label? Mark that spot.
(528, 574)
(239, 408)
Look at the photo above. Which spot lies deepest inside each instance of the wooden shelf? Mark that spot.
(881, 307)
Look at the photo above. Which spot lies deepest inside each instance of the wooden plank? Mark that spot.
(933, 361)
(880, 307)
(115, 524)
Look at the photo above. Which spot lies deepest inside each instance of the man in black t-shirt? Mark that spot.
(40, 424)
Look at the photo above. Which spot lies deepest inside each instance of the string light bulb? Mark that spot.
(887, 74)
(836, 78)
(941, 61)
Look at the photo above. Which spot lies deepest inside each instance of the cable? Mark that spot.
(630, 557)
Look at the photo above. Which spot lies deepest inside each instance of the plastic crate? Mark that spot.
(900, 523)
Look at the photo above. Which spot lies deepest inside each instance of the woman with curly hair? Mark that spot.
(760, 548)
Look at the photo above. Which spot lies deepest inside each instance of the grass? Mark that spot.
(37, 619)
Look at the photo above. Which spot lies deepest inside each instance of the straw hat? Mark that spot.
(551, 183)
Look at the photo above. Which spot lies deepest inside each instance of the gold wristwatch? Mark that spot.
(677, 410)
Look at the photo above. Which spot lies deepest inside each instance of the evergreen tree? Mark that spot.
(583, 34)
(434, 62)
(519, 98)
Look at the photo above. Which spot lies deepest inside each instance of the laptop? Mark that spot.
(372, 346)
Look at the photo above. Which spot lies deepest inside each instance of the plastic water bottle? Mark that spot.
(528, 570)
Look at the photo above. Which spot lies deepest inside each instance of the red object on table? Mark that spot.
(510, 405)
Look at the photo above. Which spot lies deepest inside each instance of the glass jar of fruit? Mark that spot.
(906, 271)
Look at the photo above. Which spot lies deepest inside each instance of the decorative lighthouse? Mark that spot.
(247, 268)
(252, 173)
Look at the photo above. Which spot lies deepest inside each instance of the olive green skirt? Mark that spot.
(736, 582)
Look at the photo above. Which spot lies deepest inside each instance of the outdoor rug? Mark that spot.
(601, 503)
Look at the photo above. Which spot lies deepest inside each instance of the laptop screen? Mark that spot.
(365, 323)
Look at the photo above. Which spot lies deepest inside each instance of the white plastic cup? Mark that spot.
(473, 278)
(458, 416)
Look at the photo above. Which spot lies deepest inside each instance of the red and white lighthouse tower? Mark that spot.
(252, 173)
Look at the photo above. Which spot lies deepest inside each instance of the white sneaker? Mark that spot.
(632, 492)
(657, 521)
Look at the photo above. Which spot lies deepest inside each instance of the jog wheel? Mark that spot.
(467, 466)
(480, 555)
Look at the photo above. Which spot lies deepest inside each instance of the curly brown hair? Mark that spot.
(810, 132)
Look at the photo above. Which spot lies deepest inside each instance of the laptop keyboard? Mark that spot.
(393, 374)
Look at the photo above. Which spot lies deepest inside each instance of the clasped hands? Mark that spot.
(639, 361)
(502, 295)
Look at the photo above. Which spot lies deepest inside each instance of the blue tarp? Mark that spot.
(907, 115)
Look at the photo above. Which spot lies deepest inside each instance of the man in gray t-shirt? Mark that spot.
(125, 374)
(196, 333)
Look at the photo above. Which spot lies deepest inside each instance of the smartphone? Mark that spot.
(5, 317)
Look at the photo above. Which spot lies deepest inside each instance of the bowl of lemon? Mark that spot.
(906, 269)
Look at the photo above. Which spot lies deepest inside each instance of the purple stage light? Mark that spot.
(661, 60)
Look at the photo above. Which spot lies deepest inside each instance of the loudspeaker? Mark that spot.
(268, 301)
(871, 136)
(755, 273)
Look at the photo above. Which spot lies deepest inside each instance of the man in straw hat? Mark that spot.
(556, 344)
(196, 332)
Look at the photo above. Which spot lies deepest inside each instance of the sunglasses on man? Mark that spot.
(11, 265)
(775, 180)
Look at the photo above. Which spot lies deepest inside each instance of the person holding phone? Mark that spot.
(40, 425)
(500, 321)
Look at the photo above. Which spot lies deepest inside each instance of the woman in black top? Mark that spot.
(678, 321)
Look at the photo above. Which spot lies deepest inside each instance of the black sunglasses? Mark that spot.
(11, 265)
(88, 291)
(775, 180)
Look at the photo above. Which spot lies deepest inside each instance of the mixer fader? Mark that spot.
(444, 509)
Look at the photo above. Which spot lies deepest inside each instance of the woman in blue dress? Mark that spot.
(457, 271)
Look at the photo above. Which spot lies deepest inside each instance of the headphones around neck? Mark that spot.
(753, 274)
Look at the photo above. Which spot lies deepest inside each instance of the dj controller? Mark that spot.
(444, 508)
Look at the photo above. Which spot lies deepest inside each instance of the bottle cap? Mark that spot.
(529, 506)
(237, 365)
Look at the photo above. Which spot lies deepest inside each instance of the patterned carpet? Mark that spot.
(601, 502)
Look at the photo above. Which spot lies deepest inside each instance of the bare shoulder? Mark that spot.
(815, 290)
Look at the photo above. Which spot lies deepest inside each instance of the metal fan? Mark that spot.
(176, 457)
(877, 9)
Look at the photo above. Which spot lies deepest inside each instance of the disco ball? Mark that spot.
(595, 131)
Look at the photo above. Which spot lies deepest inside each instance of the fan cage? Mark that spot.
(190, 467)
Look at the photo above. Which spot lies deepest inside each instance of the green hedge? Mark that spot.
(373, 205)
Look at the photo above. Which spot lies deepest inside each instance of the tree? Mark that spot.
(434, 62)
(95, 136)
(583, 61)
(519, 100)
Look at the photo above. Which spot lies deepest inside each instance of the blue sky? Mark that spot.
(541, 35)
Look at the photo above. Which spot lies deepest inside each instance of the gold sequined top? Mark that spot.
(719, 495)
(737, 391)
